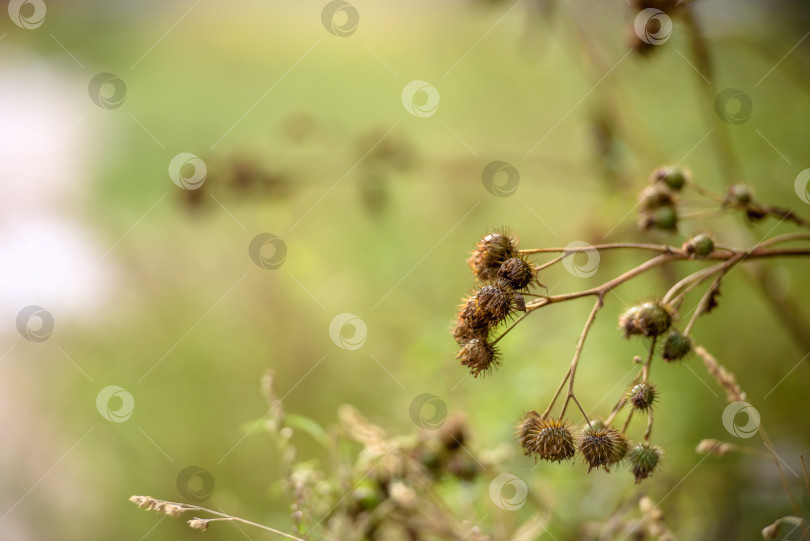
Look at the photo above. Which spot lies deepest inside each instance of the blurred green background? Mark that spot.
(305, 136)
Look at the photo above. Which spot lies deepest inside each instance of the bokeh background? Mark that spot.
(305, 136)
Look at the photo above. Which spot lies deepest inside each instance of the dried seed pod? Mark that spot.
(490, 253)
(517, 272)
(494, 303)
(738, 195)
(643, 459)
(648, 319)
(526, 429)
(655, 197)
(642, 396)
(653, 318)
(699, 246)
(627, 322)
(546, 439)
(675, 178)
(479, 356)
(663, 218)
(677, 346)
(601, 447)
(470, 325)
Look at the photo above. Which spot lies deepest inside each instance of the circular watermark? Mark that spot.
(802, 186)
(35, 323)
(420, 98)
(733, 106)
(581, 270)
(500, 178)
(107, 90)
(428, 411)
(337, 331)
(508, 491)
(115, 403)
(195, 484)
(27, 14)
(340, 18)
(188, 171)
(751, 425)
(267, 251)
(653, 26)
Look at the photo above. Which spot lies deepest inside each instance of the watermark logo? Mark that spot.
(420, 99)
(35, 323)
(428, 411)
(500, 178)
(107, 90)
(340, 18)
(653, 26)
(188, 171)
(267, 251)
(356, 336)
(733, 106)
(115, 403)
(508, 491)
(581, 270)
(802, 186)
(730, 419)
(195, 484)
(27, 14)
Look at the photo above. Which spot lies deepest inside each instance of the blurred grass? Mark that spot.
(407, 262)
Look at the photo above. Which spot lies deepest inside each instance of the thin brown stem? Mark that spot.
(648, 432)
(609, 246)
(512, 326)
(556, 393)
(627, 422)
(572, 370)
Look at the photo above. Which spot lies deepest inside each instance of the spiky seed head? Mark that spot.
(673, 177)
(469, 324)
(643, 459)
(600, 447)
(627, 322)
(621, 442)
(642, 396)
(518, 272)
(479, 356)
(526, 429)
(677, 346)
(699, 246)
(494, 303)
(738, 195)
(490, 253)
(648, 319)
(663, 219)
(621, 448)
(653, 318)
(546, 439)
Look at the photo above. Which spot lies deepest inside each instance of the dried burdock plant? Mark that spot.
(387, 487)
(506, 275)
